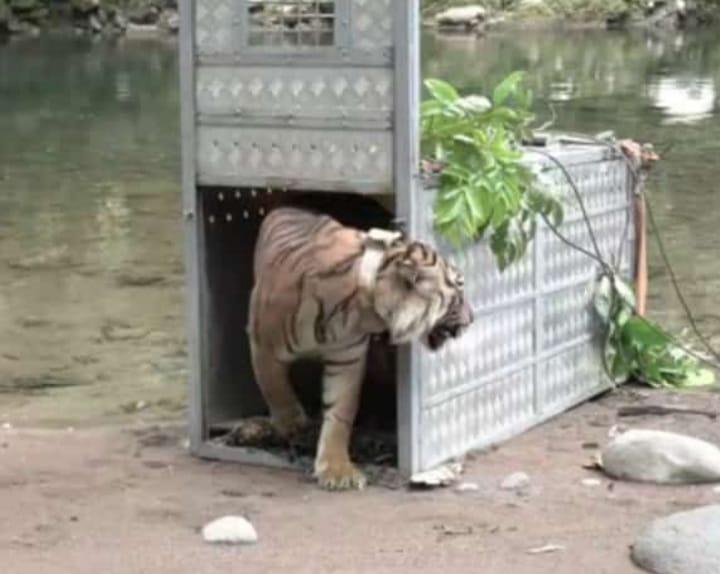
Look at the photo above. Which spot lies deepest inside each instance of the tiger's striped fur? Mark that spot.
(321, 290)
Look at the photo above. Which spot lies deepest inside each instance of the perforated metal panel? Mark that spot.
(533, 350)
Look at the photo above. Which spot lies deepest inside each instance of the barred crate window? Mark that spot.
(309, 23)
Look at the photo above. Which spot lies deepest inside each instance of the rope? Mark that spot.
(608, 269)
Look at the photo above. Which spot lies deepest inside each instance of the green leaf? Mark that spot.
(643, 333)
(442, 91)
(699, 378)
(603, 298)
(474, 104)
(624, 291)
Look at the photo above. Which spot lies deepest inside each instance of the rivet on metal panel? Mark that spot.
(221, 196)
(237, 194)
(261, 211)
(211, 218)
(228, 217)
(246, 215)
(269, 191)
(253, 192)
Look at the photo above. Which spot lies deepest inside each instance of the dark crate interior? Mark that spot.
(228, 226)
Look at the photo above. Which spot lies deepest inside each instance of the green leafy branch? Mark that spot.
(636, 348)
(485, 188)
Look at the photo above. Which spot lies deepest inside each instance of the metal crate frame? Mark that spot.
(224, 126)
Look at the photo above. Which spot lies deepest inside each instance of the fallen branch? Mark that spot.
(660, 410)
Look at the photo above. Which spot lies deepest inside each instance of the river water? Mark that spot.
(91, 317)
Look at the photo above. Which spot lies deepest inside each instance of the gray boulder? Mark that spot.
(461, 17)
(661, 457)
(683, 543)
(170, 21)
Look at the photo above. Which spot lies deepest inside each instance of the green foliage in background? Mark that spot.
(484, 186)
(636, 348)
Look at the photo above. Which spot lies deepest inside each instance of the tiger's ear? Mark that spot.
(408, 269)
(384, 238)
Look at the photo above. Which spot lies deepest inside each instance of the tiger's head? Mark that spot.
(420, 295)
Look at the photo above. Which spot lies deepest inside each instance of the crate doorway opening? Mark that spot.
(234, 412)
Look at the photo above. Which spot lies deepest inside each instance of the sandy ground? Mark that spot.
(130, 499)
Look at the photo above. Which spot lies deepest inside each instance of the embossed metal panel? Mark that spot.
(345, 159)
(318, 92)
(533, 350)
(307, 70)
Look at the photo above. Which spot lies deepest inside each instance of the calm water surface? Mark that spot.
(89, 193)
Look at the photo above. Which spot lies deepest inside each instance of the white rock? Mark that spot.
(591, 482)
(661, 457)
(230, 530)
(440, 476)
(716, 489)
(547, 549)
(467, 487)
(683, 543)
(515, 481)
(461, 16)
(6, 426)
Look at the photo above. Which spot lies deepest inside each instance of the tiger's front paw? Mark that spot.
(339, 475)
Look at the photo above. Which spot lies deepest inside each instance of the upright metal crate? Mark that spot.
(281, 97)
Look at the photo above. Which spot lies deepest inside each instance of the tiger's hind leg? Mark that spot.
(288, 415)
(342, 381)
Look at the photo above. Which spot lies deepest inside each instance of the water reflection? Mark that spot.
(89, 182)
(683, 100)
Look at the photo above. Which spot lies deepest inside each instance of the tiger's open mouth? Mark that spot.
(454, 324)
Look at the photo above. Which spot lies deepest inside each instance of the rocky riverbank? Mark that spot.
(120, 17)
(92, 17)
(452, 15)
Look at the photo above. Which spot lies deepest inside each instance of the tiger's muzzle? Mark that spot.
(451, 326)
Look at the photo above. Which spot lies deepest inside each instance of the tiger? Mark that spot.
(322, 289)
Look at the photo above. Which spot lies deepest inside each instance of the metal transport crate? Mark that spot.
(320, 99)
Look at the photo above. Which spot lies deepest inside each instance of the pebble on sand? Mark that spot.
(467, 487)
(515, 481)
(230, 530)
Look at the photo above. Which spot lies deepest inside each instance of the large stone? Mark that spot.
(461, 16)
(170, 21)
(661, 457)
(84, 7)
(144, 15)
(683, 543)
